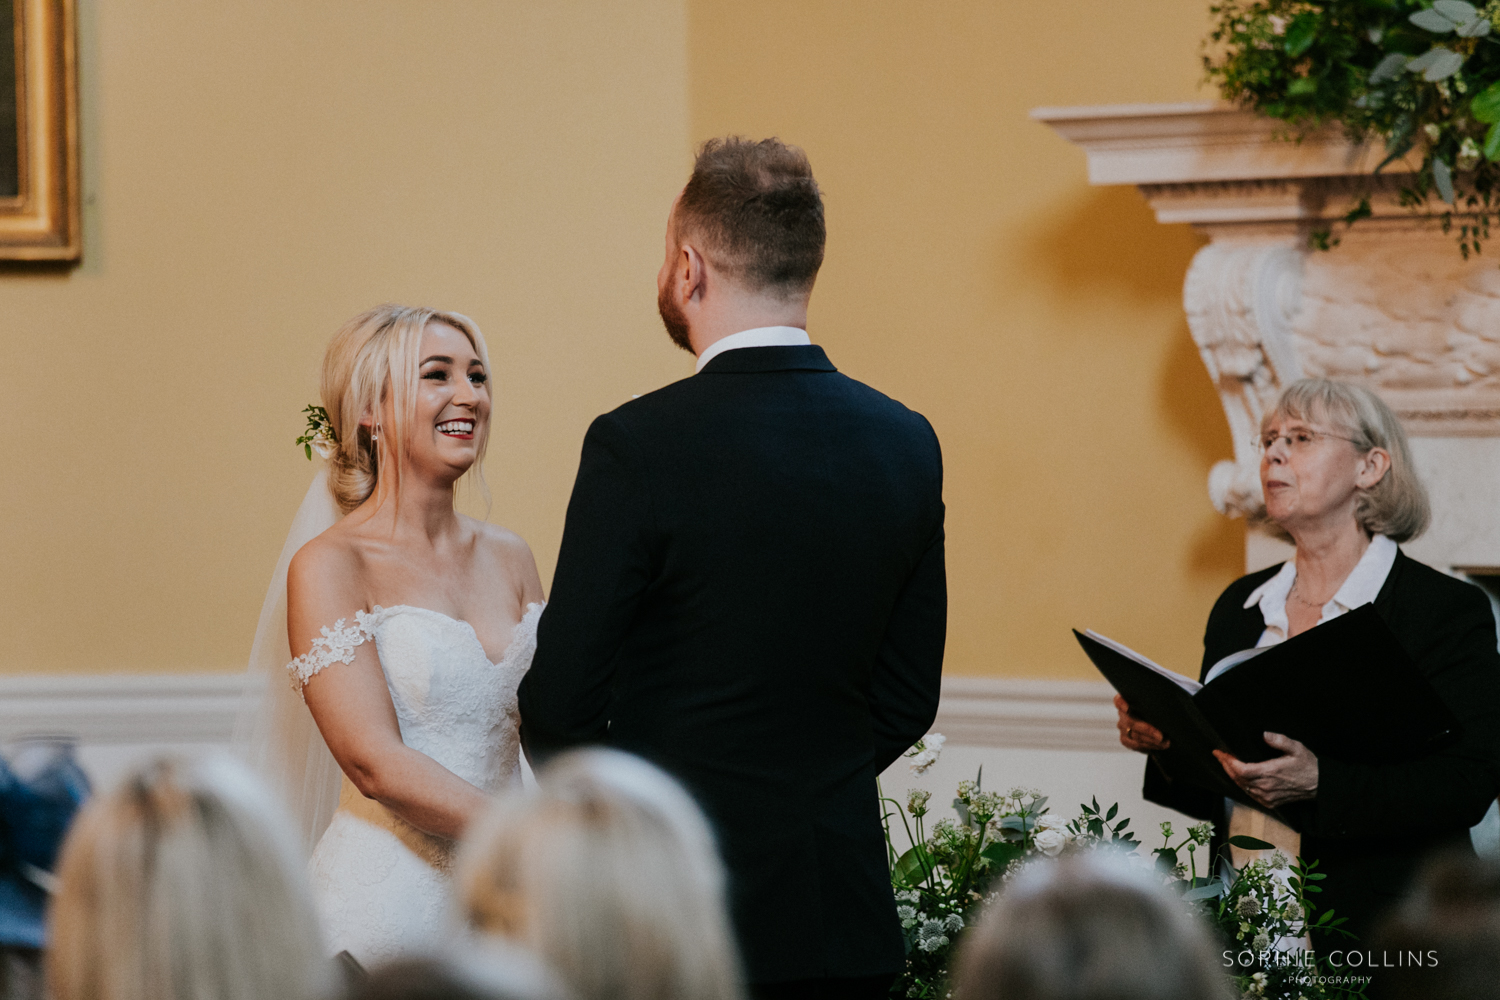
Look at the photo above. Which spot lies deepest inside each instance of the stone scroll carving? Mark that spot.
(1401, 312)
(1393, 307)
(1241, 298)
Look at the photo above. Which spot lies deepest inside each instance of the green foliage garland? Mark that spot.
(1418, 75)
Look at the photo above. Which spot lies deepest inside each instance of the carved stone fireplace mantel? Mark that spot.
(1394, 306)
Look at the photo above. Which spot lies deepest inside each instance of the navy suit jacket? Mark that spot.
(751, 593)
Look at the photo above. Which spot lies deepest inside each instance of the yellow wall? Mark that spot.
(256, 173)
(973, 274)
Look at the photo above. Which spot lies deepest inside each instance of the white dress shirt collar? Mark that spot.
(1361, 587)
(761, 336)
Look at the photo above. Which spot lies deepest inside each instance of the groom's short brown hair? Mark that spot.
(754, 210)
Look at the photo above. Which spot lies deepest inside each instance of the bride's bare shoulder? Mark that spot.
(498, 540)
(510, 552)
(325, 570)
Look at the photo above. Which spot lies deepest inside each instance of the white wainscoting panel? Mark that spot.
(119, 719)
(1028, 714)
(1058, 736)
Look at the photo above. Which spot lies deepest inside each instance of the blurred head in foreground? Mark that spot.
(1087, 928)
(184, 883)
(1443, 941)
(493, 971)
(609, 873)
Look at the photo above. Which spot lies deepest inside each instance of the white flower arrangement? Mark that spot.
(953, 868)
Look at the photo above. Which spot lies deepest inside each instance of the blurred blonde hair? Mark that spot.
(1397, 506)
(609, 872)
(375, 355)
(1088, 928)
(185, 883)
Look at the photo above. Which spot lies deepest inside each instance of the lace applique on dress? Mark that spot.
(335, 645)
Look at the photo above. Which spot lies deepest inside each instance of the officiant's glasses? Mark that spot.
(1298, 439)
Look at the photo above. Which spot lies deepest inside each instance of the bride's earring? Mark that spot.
(375, 433)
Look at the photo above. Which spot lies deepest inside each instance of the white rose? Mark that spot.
(1049, 821)
(322, 446)
(922, 761)
(1051, 842)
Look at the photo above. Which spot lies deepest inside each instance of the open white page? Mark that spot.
(1233, 660)
(1186, 683)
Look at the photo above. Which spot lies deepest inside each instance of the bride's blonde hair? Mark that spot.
(375, 354)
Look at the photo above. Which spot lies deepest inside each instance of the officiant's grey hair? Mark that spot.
(754, 211)
(1397, 506)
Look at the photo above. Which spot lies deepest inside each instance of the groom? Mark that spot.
(751, 590)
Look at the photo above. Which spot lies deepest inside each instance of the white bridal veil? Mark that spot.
(274, 732)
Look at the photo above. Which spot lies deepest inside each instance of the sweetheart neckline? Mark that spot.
(378, 609)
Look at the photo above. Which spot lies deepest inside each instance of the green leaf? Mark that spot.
(1486, 104)
(1113, 810)
(1442, 177)
(1209, 891)
(1457, 11)
(910, 870)
(1433, 21)
(1437, 63)
(1001, 853)
(1300, 34)
(1492, 143)
(1251, 844)
(1388, 68)
(1400, 140)
(1303, 86)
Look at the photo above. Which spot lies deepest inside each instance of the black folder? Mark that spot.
(1346, 689)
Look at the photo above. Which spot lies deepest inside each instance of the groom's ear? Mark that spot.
(692, 271)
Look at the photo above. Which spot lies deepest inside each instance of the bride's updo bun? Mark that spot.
(377, 352)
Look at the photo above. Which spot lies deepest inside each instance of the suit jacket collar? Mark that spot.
(747, 360)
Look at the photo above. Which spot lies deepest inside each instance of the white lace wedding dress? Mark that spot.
(382, 886)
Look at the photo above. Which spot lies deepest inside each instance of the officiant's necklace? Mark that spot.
(1302, 600)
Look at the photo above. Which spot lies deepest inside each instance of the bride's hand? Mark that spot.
(1136, 735)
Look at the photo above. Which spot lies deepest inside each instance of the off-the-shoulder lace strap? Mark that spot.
(523, 639)
(335, 645)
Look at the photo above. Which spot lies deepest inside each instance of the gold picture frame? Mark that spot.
(39, 187)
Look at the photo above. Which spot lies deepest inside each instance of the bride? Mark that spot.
(414, 625)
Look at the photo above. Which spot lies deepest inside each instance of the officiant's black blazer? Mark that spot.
(751, 593)
(1371, 825)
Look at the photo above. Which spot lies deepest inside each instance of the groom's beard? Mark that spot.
(675, 322)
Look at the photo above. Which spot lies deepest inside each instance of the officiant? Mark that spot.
(1338, 480)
